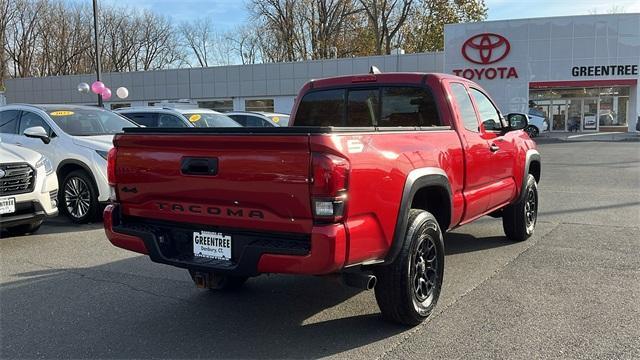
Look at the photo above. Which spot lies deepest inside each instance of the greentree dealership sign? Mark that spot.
(486, 49)
(604, 70)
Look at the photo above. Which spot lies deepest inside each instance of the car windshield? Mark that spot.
(86, 121)
(280, 120)
(211, 120)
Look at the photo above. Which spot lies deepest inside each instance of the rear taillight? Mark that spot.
(111, 166)
(111, 174)
(330, 182)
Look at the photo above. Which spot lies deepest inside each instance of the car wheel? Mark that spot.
(25, 229)
(519, 219)
(532, 131)
(408, 289)
(218, 282)
(78, 197)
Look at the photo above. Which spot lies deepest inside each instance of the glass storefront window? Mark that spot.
(120, 106)
(259, 105)
(222, 105)
(623, 110)
(581, 109)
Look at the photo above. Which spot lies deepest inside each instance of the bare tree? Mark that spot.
(424, 29)
(199, 37)
(22, 36)
(277, 18)
(385, 19)
(326, 20)
(7, 13)
(246, 43)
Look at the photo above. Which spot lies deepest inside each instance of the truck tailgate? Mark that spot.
(257, 182)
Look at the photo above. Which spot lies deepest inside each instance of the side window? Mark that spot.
(29, 119)
(254, 121)
(465, 107)
(321, 108)
(408, 106)
(170, 121)
(240, 119)
(362, 108)
(144, 119)
(489, 115)
(9, 121)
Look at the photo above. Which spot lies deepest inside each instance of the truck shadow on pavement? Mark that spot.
(96, 313)
(134, 308)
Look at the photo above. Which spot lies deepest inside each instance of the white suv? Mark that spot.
(28, 189)
(76, 139)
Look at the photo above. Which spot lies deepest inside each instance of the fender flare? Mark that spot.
(80, 164)
(416, 180)
(531, 156)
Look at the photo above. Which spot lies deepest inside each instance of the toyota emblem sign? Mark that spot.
(486, 49)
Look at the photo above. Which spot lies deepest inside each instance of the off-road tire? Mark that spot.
(399, 297)
(94, 206)
(519, 219)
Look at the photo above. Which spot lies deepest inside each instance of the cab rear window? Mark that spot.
(389, 106)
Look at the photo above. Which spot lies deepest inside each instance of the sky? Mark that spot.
(226, 14)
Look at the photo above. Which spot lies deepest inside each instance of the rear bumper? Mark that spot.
(321, 252)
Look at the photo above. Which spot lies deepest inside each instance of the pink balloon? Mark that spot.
(97, 87)
(106, 94)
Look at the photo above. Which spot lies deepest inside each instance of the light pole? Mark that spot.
(97, 43)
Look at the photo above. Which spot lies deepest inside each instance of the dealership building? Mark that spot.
(580, 72)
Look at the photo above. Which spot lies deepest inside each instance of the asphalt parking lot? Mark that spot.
(571, 291)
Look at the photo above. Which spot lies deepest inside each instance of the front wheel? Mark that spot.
(532, 131)
(79, 197)
(408, 289)
(519, 219)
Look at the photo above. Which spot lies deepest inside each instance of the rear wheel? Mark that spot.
(79, 197)
(408, 289)
(219, 282)
(519, 219)
(532, 131)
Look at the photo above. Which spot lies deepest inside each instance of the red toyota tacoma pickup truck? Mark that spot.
(371, 172)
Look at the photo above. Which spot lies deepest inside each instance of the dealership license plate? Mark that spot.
(7, 205)
(212, 245)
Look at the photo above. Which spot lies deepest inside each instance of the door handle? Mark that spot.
(199, 166)
(494, 148)
(18, 144)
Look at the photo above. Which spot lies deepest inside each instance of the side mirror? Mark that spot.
(37, 132)
(517, 121)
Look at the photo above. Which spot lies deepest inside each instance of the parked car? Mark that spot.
(259, 119)
(173, 117)
(28, 189)
(537, 123)
(363, 183)
(76, 139)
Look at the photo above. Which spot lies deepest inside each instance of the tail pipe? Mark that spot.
(362, 281)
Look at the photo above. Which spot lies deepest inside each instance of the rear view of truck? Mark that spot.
(362, 185)
(227, 206)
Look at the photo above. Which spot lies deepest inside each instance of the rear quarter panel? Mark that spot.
(380, 163)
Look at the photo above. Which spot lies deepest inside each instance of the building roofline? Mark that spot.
(541, 18)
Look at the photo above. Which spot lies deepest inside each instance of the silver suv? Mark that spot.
(259, 118)
(176, 117)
